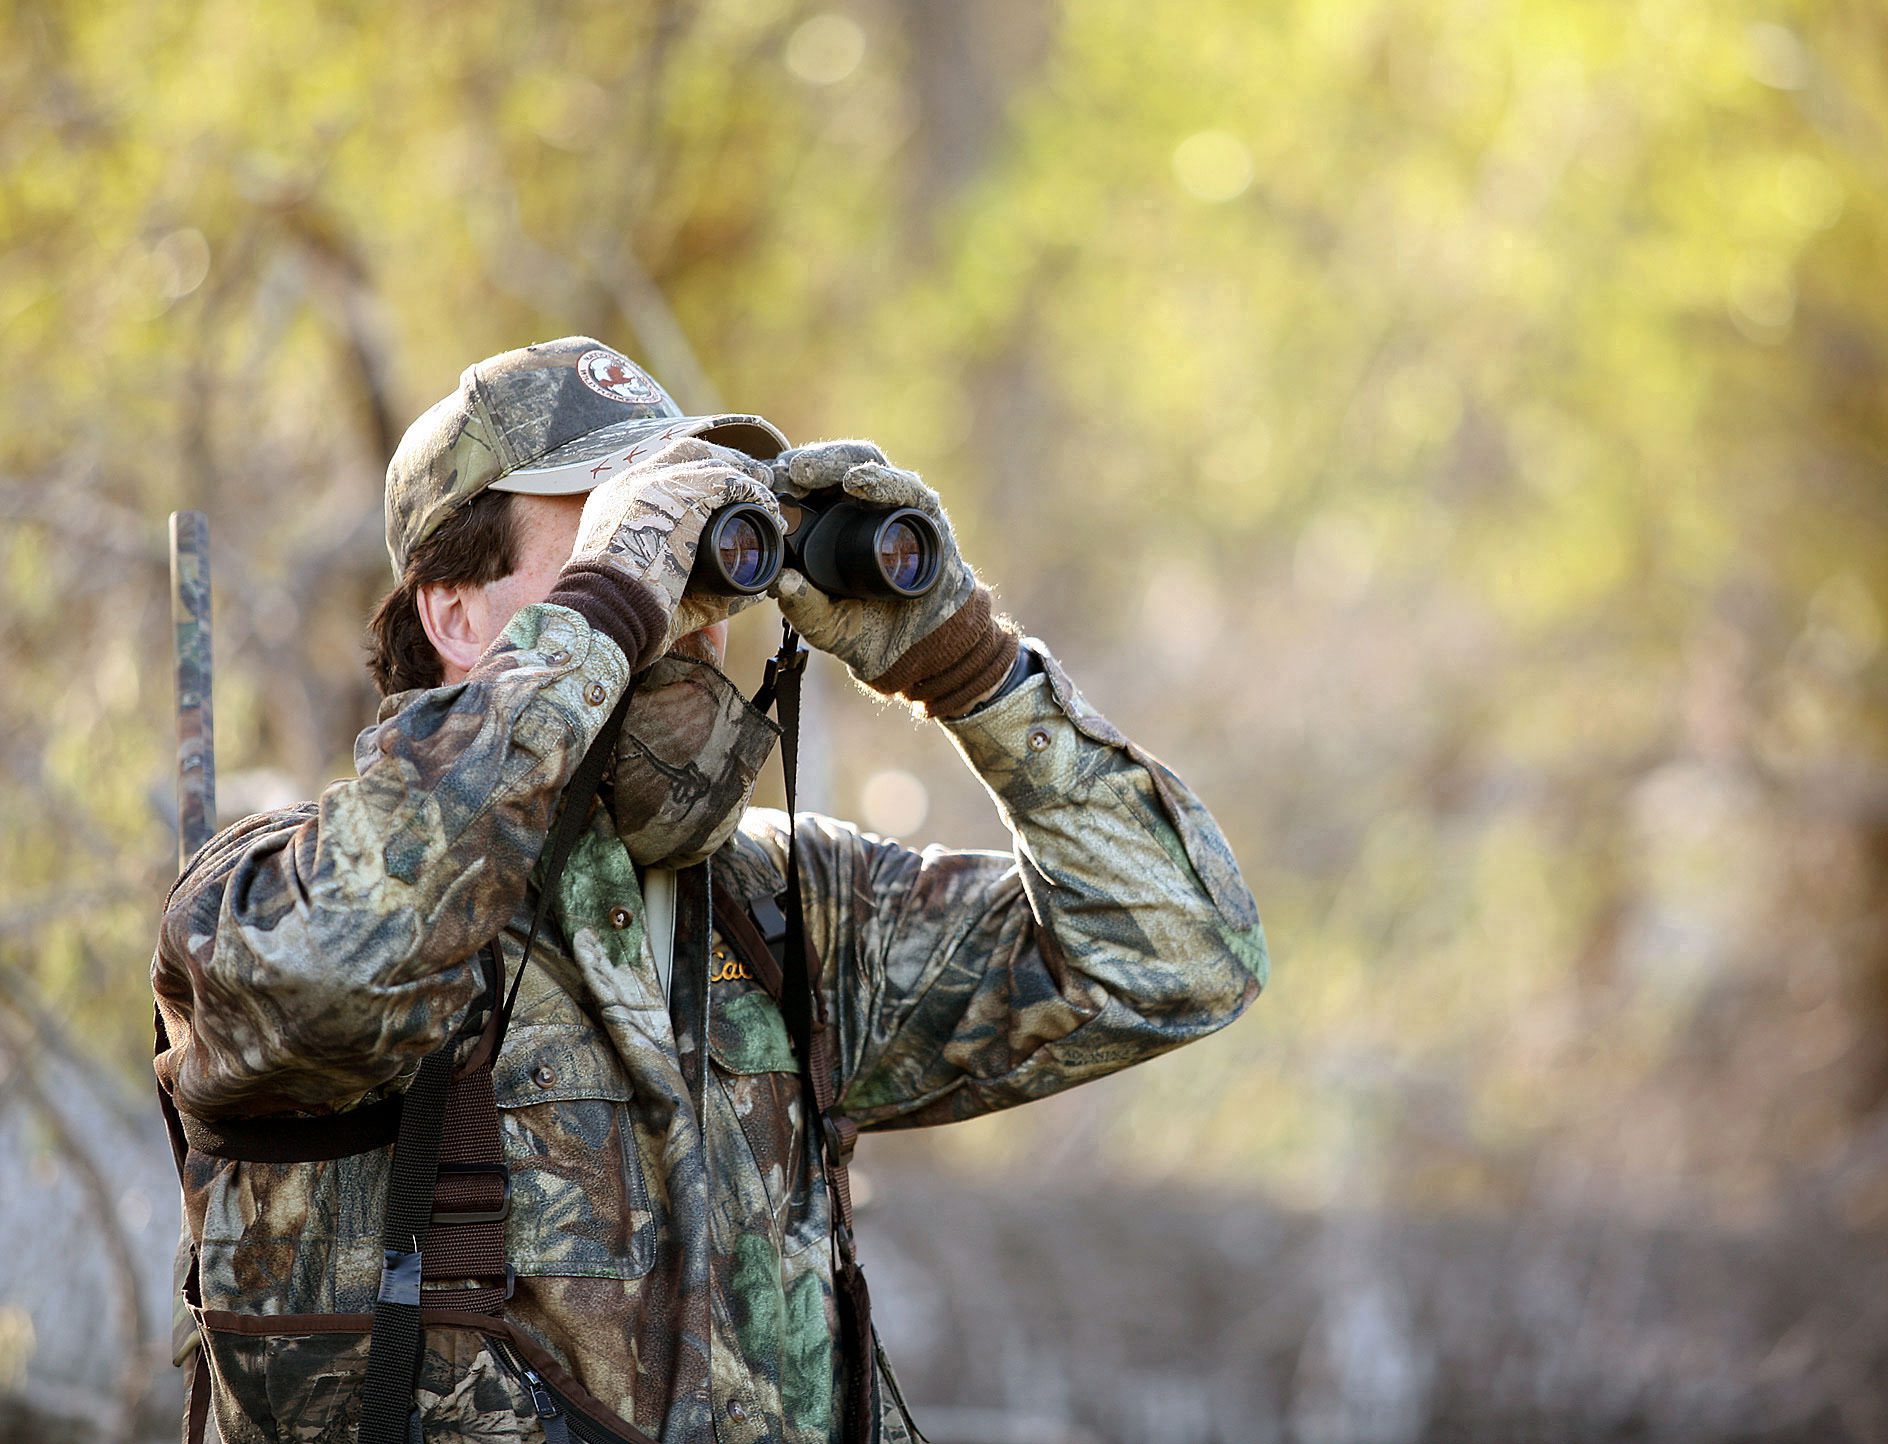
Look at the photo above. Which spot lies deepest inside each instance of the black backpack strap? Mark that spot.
(694, 923)
(197, 1397)
(394, 1351)
(388, 1412)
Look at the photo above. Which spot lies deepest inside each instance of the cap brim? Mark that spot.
(587, 462)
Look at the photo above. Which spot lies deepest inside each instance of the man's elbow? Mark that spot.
(1222, 969)
(310, 1016)
(1244, 968)
(1182, 966)
(1226, 918)
(309, 1047)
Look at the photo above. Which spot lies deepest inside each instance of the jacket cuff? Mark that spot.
(624, 609)
(953, 667)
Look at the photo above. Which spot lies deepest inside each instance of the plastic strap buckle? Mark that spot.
(772, 923)
(789, 661)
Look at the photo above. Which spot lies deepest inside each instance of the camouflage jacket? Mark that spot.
(679, 1265)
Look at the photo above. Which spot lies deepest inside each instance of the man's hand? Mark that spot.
(943, 650)
(646, 522)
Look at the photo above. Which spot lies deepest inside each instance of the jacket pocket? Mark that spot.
(759, 1077)
(580, 1204)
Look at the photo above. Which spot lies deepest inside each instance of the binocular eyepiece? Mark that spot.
(843, 546)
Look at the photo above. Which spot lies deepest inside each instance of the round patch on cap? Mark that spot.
(618, 378)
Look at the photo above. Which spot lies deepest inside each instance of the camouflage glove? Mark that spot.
(943, 651)
(646, 521)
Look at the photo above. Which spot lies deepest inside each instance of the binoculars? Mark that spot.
(843, 546)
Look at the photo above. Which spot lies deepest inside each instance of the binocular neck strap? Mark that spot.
(814, 1043)
(785, 673)
(780, 688)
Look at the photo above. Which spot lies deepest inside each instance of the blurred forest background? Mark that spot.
(1453, 435)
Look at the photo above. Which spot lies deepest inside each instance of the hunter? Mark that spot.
(599, 1192)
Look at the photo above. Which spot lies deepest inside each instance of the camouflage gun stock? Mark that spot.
(196, 736)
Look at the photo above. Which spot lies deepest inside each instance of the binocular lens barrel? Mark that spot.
(741, 551)
(850, 548)
(901, 554)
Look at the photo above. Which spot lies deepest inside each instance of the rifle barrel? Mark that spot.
(196, 733)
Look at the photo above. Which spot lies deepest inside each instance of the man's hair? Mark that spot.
(478, 543)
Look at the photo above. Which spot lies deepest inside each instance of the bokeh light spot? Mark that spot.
(183, 260)
(826, 48)
(18, 1344)
(894, 803)
(1762, 298)
(1212, 165)
(1335, 558)
(1777, 57)
(1809, 192)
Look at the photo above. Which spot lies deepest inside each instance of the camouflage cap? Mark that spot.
(552, 419)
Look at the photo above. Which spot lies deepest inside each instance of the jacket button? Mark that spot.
(544, 1075)
(737, 1411)
(1038, 739)
(595, 693)
(557, 658)
(619, 917)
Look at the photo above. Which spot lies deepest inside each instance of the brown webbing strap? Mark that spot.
(292, 1139)
(197, 1397)
(197, 1389)
(471, 1201)
(737, 926)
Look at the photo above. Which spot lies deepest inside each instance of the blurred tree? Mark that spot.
(1453, 435)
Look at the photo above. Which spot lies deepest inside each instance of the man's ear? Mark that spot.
(449, 626)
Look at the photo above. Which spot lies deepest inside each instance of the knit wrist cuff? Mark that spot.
(623, 609)
(949, 669)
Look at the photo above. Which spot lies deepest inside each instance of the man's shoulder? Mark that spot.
(753, 861)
